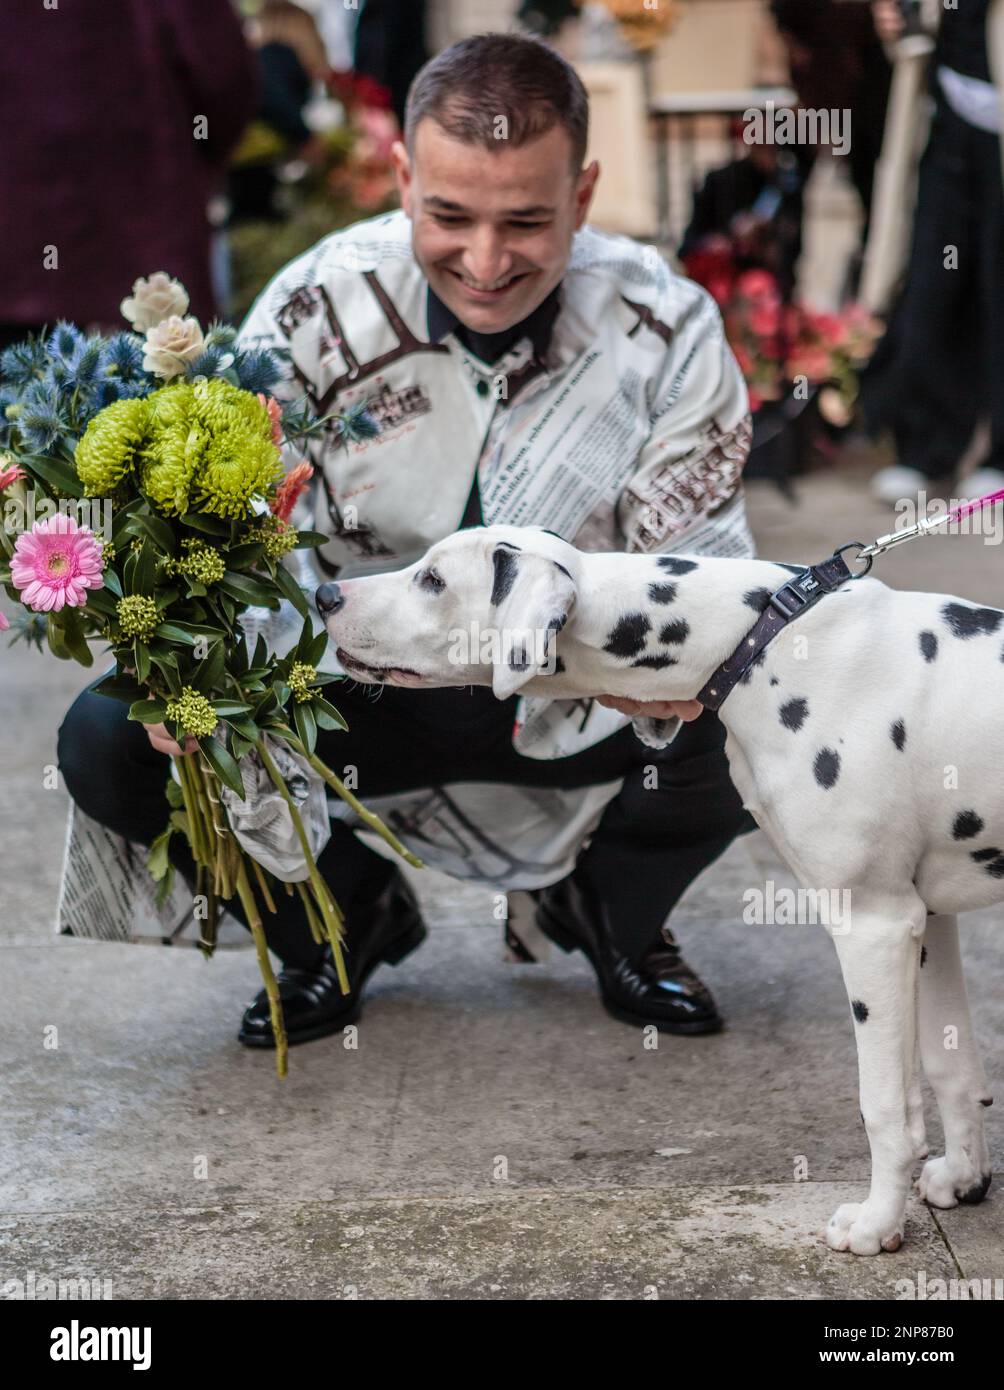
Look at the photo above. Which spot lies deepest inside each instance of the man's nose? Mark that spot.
(486, 258)
(329, 598)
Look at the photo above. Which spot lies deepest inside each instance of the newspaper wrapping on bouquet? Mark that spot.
(263, 823)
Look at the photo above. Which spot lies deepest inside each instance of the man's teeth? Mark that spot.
(487, 289)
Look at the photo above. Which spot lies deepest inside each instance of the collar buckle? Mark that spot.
(792, 597)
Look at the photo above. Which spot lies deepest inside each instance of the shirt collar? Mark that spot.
(489, 347)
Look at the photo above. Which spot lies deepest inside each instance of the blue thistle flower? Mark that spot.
(220, 334)
(64, 340)
(22, 362)
(358, 423)
(257, 370)
(87, 363)
(125, 356)
(208, 363)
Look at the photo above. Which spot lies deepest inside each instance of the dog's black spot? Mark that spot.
(923, 956)
(662, 593)
(672, 565)
(774, 680)
(971, 622)
(557, 622)
(928, 646)
(860, 1010)
(982, 855)
(506, 567)
(559, 666)
(826, 768)
(898, 734)
(628, 635)
(987, 1101)
(675, 632)
(976, 1193)
(793, 713)
(757, 599)
(996, 867)
(656, 663)
(966, 825)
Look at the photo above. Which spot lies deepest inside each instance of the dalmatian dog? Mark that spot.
(850, 739)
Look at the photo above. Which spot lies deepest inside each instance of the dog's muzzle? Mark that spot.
(329, 598)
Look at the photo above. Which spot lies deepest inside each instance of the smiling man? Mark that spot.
(520, 367)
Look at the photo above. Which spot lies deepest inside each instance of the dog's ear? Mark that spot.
(532, 597)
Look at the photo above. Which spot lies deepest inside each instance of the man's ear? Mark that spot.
(532, 597)
(401, 164)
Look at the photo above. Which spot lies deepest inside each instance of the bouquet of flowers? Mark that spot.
(165, 439)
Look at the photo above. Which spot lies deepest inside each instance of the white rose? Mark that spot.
(171, 346)
(153, 301)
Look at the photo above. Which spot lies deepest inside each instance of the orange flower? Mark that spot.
(289, 491)
(274, 414)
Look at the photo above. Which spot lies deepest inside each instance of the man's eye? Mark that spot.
(445, 220)
(429, 579)
(527, 226)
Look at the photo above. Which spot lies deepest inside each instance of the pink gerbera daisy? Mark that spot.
(4, 624)
(55, 563)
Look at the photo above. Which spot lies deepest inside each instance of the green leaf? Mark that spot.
(209, 673)
(141, 661)
(175, 796)
(56, 472)
(224, 765)
(112, 583)
(76, 638)
(306, 725)
(311, 538)
(117, 686)
(318, 648)
(170, 674)
(291, 590)
(123, 520)
(157, 529)
(226, 708)
(149, 711)
(157, 860)
(326, 714)
(173, 632)
(246, 728)
(247, 590)
(242, 557)
(240, 747)
(208, 525)
(101, 601)
(145, 573)
(57, 639)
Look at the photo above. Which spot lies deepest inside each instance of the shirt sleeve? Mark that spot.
(700, 428)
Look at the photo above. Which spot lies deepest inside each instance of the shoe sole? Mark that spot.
(569, 943)
(393, 954)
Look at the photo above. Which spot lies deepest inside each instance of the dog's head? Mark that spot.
(482, 607)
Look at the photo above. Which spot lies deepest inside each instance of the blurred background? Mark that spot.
(770, 148)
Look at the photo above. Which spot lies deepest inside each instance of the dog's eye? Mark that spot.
(431, 580)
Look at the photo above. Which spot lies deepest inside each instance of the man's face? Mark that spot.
(492, 230)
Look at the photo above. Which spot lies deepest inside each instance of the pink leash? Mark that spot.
(924, 528)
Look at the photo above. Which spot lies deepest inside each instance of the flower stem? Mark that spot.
(265, 966)
(366, 816)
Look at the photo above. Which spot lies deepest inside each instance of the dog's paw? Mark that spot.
(858, 1227)
(945, 1183)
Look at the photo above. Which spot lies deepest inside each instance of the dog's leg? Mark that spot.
(915, 1105)
(879, 957)
(955, 1071)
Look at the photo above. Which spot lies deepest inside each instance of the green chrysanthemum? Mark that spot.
(137, 616)
(110, 445)
(210, 449)
(300, 676)
(201, 562)
(193, 713)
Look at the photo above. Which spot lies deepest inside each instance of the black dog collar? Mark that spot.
(786, 604)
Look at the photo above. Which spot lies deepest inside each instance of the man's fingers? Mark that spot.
(687, 710)
(164, 743)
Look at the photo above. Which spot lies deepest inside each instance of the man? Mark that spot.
(523, 368)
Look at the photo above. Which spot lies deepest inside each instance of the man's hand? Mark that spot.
(164, 743)
(888, 17)
(687, 710)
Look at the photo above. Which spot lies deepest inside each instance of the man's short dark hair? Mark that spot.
(468, 87)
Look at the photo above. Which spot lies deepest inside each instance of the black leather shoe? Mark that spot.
(312, 1000)
(661, 989)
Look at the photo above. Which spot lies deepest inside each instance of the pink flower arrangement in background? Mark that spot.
(55, 563)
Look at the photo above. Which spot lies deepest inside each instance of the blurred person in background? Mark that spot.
(390, 46)
(937, 372)
(118, 121)
(292, 61)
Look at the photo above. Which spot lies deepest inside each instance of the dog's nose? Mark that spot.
(329, 598)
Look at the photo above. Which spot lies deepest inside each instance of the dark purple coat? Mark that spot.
(98, 155)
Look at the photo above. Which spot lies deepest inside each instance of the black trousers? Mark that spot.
(938, 369)
(654, 838)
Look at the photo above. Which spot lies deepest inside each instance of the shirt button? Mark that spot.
(482, 387)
